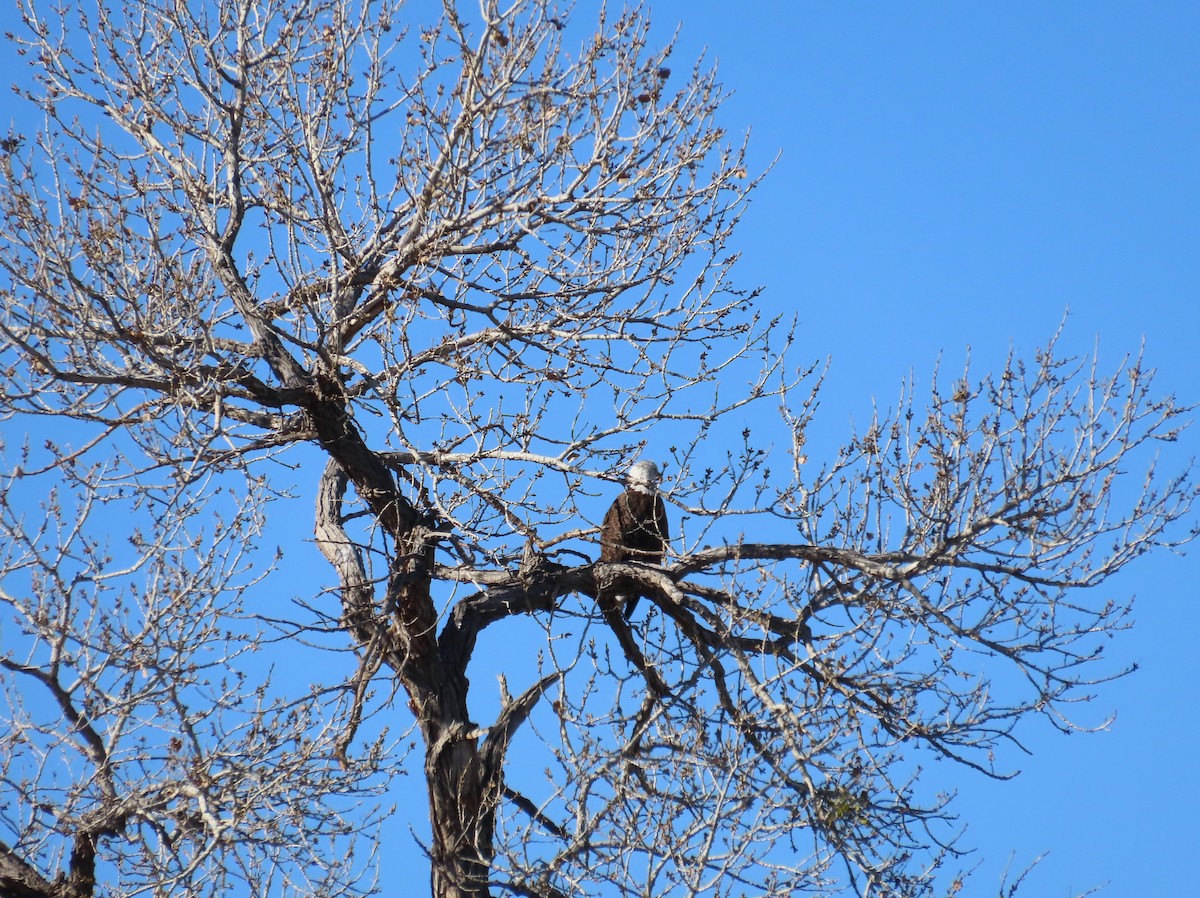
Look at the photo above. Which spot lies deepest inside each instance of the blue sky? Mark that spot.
(960, 175)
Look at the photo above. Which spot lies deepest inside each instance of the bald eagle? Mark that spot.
(634, 529)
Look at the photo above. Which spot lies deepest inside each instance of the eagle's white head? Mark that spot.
(643, 476)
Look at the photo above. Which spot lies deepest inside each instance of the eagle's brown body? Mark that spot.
(634, 529)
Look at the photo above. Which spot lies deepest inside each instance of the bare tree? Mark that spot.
(142, 734)
(455, 267)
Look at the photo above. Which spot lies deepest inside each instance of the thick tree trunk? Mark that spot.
(462, 816)
(465, 776)
(461, 803)
(403, 630)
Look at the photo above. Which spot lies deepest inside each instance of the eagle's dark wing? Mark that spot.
(612, 531)
(660, 525)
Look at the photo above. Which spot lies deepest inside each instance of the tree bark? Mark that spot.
(461, 813)
(462, 795)
(19, 880)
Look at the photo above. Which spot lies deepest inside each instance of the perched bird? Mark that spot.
(634, 529)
